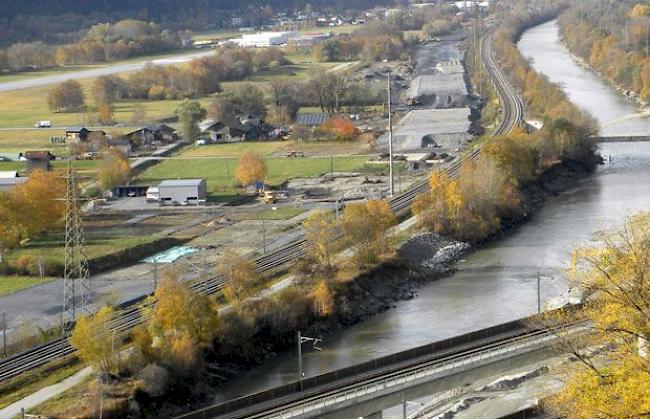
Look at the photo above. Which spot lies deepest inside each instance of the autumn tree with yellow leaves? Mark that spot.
(114, 170)
(251, 168)
(97, 344)
(613, 382)
(469, 207)
(239, 274)
(181, 321)
(32, 207)
(365, 226)
(320, 233)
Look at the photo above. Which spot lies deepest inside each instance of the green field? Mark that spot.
(10, 284)
(23, 108)
(219, 172)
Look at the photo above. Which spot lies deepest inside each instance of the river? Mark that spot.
(498, 283)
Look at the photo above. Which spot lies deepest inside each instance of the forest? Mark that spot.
(614, 39)
(63, 21)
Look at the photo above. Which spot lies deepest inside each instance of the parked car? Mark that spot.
(43, 124)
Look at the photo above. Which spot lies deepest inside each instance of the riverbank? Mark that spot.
(421, 259)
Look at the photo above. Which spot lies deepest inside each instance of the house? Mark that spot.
(256, 128)
(312, 119)
(37, 160)
(182, 191)
(220, 132)
(124, 144)
(147, 135)
(76, 135)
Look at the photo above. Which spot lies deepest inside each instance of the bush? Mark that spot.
(154, 380)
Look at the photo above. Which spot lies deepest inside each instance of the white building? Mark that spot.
(265, 39)
(182, 191)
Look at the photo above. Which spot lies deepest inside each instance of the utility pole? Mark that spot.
(300, 340)
(263, 236)
(390, 139)
(404, 415)
(539, 298)
(4, 335)
(75, 260)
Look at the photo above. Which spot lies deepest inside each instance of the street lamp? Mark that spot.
(302, 339)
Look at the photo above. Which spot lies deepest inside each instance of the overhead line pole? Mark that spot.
(390, 139)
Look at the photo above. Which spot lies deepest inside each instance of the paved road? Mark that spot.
(44, 394)
(100, 71)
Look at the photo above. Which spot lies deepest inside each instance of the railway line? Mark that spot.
(329, 390)
(129, 317)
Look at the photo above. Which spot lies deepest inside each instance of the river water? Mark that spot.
(498, 283)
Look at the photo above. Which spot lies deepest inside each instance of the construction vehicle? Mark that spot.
(267, 195)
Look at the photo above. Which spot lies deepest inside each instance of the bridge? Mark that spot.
(621, 138)
(366, 389)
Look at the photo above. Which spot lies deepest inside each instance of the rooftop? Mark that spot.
(313, 119)
(8, 174)
(181, 182)
(12, 181)
(38, 155)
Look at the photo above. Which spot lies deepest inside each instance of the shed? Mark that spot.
(38, 160)
(218, 131)
(79, 134)
(182, 191)
(7, 184)
(8, 174)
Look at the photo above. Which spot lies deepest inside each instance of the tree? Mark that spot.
(248, 100)
(341, 128)
(108, 89)
(32, 207)
(240, 276)
(616, 307)
(139, 114)
(66, 96)
(114, 170)
(96, 341)
(365, 226)
(221, 110)
(323, 299)
(190, 113)
(251, 168)
(320, 233)
(182, 313)
(105, 113)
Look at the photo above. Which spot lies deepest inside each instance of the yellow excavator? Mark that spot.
(267, 195)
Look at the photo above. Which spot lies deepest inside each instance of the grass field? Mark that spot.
(10, 284)
(281, 213)
(219, 172)
(22, 108)
(277, 148)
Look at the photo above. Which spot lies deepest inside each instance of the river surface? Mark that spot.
(498, 283)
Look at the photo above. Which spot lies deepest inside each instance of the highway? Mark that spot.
(105, 70)
(128, 317)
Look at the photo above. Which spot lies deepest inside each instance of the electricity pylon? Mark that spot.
(76, 285)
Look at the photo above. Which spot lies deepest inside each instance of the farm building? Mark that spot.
(180, 191)
(38, 160)
(264, 39)
(8, 183)
(76, 135)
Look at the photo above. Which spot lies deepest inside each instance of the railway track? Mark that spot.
(129, 317)
(263, 405)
